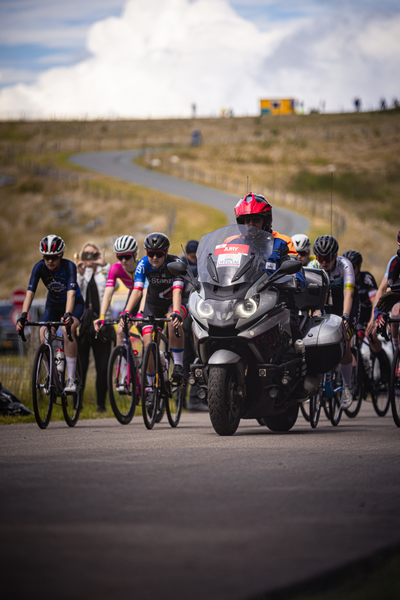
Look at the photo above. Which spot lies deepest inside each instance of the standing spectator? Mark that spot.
(189, 353)
(357, 104)
(383, 104)
(92, 278)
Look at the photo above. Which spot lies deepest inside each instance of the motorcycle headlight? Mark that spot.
(246, 308)
(204, 309)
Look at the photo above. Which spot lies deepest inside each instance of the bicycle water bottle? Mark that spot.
(60, 360)
(164, 365)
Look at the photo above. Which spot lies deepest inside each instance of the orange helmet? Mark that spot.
(254, 204)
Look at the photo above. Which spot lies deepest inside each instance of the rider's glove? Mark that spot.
(387, 301)
(23, 319)
(346, 318)
(381, 322)
(99, 322)
(176, 315)
(126, 312)
(139, 315)
(66, 317)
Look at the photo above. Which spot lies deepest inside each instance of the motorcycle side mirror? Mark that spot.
(179, 269)
(289, 267)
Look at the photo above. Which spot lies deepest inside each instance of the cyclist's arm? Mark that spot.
(177, 300)
(69, 306)
(347, 300)
(26, 306)
(105, 303)
(143, 301)
(134, 299)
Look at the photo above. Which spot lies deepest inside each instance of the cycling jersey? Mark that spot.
(388, 266)
(161, 282)
(341, 278)
(394, 270)
(117, 271)
(367, 288)
(58, 282)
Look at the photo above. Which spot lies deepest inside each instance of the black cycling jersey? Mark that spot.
(366, 286)
(394, 269)
(58, 282)
(161, 282)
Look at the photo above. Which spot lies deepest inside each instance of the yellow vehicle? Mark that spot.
(282, 106)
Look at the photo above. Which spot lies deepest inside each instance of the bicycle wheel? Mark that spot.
(72, 403)
(123, 397)
(305, 410)
(357, 384)
(395, 387)
(380, 391)
(42, 392)
(151, 393)
(315, 408)
(176, 396)
(335, 410)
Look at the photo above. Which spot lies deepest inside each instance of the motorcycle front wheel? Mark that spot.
(224, 401)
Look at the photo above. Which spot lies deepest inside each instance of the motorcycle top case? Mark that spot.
(325, 342)
(315, 296)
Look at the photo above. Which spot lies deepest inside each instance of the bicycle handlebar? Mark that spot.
(48, 324)
(388, 319)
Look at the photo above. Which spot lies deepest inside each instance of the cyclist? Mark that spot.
(126, 250)
(164, 295)
(393, 303)
(343, 299)
(64, 299)
(367, 288)
(255, 210)
(303, 248)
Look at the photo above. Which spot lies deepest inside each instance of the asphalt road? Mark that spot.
(110, 511)
(119, 164)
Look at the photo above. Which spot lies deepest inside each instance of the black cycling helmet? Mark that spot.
(354, 257)
(52, 244)
(156, 241)
(325, 245)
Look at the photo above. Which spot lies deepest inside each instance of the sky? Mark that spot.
(156, 58)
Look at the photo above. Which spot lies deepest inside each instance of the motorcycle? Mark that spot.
(241, 329)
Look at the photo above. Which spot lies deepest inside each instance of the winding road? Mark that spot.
(119, 164)
(107, 511)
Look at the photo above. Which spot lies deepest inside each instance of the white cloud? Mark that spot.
(160, 56)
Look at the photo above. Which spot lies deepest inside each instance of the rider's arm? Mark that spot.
(177, 299)
(134, 299)
(347, 300)
(69, 306)
(25, 307)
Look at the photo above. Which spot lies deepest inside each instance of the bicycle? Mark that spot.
(327, 397)
(123, 379)
(48, 378)
(372, 377)
(163, 393)
(394, 388)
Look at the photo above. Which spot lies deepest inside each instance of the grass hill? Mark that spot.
(296, 161)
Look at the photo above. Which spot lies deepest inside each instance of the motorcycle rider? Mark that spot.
(255, 210)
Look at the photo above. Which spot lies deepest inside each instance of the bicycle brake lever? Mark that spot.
(21, 334)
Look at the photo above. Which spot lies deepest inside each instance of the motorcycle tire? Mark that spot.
(224, 402)
(284, 421)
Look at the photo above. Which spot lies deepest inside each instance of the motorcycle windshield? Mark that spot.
(233, 254)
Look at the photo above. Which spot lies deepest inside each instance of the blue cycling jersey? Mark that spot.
(58, 282)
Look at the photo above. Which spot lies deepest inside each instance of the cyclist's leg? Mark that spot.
(177, 343)
(394, 327)
(71, 348)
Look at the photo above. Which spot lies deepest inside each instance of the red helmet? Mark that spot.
(254, 204)
(398, 236)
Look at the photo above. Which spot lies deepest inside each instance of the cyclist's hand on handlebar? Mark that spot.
(387, 301)
(22, 321)
(98, 323)
(67, 319)
(176, 319)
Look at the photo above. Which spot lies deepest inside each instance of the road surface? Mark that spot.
(118, 163)
(110, 511)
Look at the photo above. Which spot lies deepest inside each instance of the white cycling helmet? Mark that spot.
(52, 245)
(301, 242)
(125, 243)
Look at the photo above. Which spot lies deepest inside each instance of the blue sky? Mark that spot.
(320, 52)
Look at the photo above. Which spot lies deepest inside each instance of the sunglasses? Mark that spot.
(302, 253)
(51, 256)
(154, 254)
(326, 259)
(124, 256)
(249, 220)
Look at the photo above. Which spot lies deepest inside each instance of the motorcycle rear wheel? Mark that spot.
(283, 422)
(224, 402)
